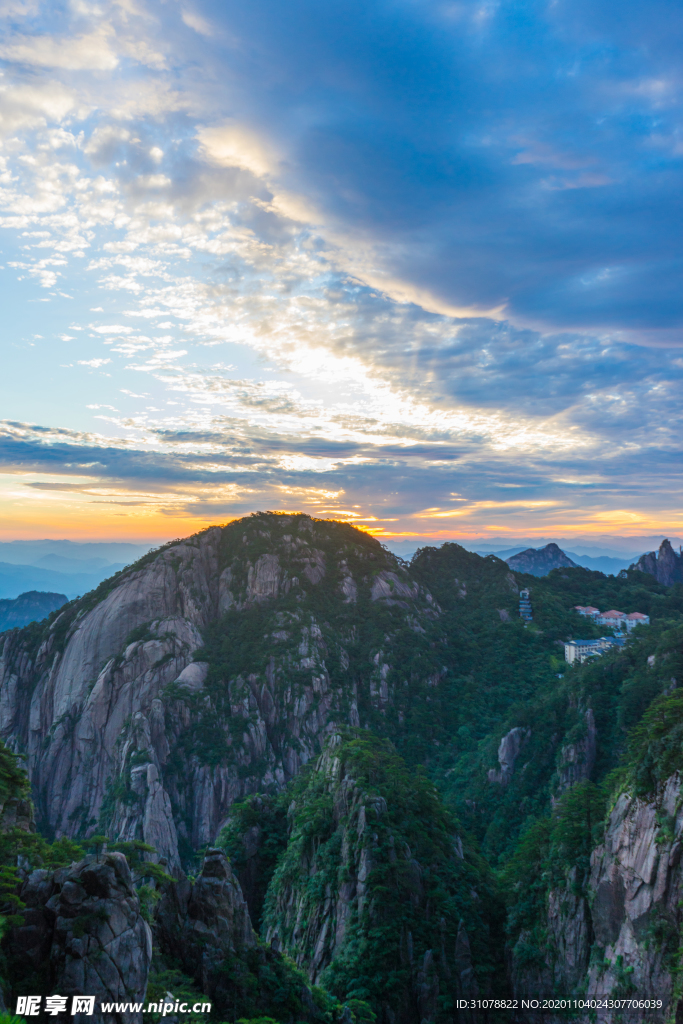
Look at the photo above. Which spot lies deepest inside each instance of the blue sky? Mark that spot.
(413, 264)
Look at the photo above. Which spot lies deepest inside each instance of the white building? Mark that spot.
(583, 650)
(587, 611)
(614, 618)
(634, 619)
(579, 650)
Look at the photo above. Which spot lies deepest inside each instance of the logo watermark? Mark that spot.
(30, 1006)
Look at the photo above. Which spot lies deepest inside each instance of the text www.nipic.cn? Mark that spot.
(30, 1006)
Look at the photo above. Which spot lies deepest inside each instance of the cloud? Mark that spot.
(19, 8)
(197, 22)
(235, 145)
(91, 51)
(26, 106)
(399, 248)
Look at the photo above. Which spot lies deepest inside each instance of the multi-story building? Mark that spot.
(583, 650)
(580, 650)
(525, 609)
(634, 619)
(611, 618)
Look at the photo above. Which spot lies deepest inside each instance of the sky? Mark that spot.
(416, 265)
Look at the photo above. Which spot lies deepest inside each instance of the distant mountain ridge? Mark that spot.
(540, 561)
(93, 553)
(63, 566)
(30, 607)
(18, 579)
(608, 564)
(609, 560)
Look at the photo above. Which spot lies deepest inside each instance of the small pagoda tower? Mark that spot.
(525, 606)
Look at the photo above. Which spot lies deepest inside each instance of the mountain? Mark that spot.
(29, 607)
(111, 922)
(665, 565)
(15, 579)
(86, 554)
(390, 860)
(594, 546)
(603, 563)
(226, 660)
(419, 801)
(61, 565)
(540, 561)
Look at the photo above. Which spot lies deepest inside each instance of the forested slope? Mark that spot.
(369, 740)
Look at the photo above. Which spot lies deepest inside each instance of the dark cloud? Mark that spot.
(396, 482)
(493, 155)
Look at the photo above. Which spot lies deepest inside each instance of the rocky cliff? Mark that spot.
(205, 927)
(94, 925)
(376, 896)
(612, 926)
(665, 565)
(125, 733)
(83, 933)
(187, 703)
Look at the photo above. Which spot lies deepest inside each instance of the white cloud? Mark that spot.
(74, 53)
(104, 140)
(19, 8)
(295, 207)
(196, 22)
(94, 363)
(112, 329)
(143, 51)
(29, 106)
(236, 145)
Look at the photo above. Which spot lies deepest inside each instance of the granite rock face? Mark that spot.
(314, 934)
(578, 759)
(665, 565)
(92, 693)
(202, 924)
(205, 927)
(326, 898)
(615, 933)
(127, 735)
(85, 926)
(636, 888)
(508, 752)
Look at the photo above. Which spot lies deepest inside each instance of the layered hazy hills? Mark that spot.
(61, 566)
(665, 564)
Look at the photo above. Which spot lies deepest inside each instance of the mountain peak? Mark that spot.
(665, 565)
(540, 561)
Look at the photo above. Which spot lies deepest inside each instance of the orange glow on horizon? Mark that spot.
(62, 517)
